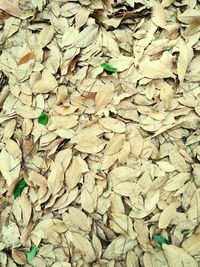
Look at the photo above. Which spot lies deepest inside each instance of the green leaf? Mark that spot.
(184, 139)
(161, 240)
(108, 68)
(166, 49)
(43, 118)
(19, 188)
(77, 153)
(31, 254)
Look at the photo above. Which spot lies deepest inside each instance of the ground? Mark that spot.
(99, 133)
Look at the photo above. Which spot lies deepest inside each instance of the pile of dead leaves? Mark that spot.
(99, 133)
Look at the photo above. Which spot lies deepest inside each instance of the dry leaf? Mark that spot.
(46, 35)
(29, 56)
(185, 56)
(167, 215)
(73, 173)
(127, 189)
(114, 125)
(178, 257)
(118, 246)
(158, 15)
(104, 96)
(192, 244)
(83, 244)
(10, 8)
(86, 36)
(155, 69)
(78, 217)
(46, 84)
(56, 178)
(115, 144)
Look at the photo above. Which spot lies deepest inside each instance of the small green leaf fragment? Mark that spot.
(108, 68)
(161, 240)
(31, 254)
(184, 139)
(43, 118)
(77, 153)
(19, 188)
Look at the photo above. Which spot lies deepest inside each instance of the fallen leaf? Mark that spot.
(178, 257)
(19, 188)
(108, 68)
(86, 36)
(115, 144)
(167, 215)
(104, 96)
(43, 118)
(32, 253)
(10, 8)
(56, 178)
(29, 56)
(46, 84)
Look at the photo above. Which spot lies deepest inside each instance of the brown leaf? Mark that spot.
(26, 58)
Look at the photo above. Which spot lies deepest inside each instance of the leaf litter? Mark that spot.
(110, 177)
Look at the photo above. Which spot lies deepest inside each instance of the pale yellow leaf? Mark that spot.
(10, 8)
(167, 215)
(124, 153)
(166, 94)
(73, 173)
(121, 62)
(26, 208)
(61, 264)
(190, 16)
(158, 15)
(115, 144)
(166, 3)
(104, 96)
(78, 217)
(178, 257)
(114, 125)
(165, 166)
(86, 36)
(177, 160)
(124, 173)
(81, 17)
(177, 181)
(185, 56)
(136, 142)
(83, 244)
(155, 69)
(63, 122)
(56, 178)
(118, 247)
(108, 161)
(127, 189)
(46, 35)
(87, 202)
(64, 157)
(46, 84)
(131, 259)
(192, 244)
